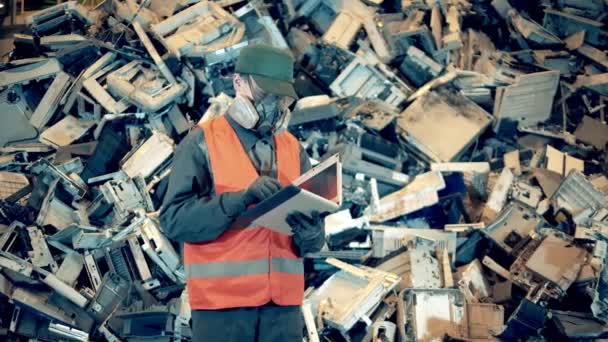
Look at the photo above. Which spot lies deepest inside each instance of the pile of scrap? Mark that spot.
(472, 135)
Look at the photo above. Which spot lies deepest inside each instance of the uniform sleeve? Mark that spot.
(191, 212)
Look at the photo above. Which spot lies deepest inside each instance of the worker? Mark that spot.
(244, 283)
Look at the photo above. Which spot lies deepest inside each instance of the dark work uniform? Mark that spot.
(191, 212)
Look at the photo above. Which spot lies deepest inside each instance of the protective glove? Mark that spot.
(261, 189)
(234, 203)
(308, 231)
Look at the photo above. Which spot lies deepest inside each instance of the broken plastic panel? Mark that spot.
(144, 87)
(576, 193)
(198, 30)
(429, 314)
(458, 120)
(363, 80)
(15, 124)
(38, 70)
(96, 71)
(148, 157)
(421, 192)
(550, 263)
(45, 21)
(512, 227)
(351, 294)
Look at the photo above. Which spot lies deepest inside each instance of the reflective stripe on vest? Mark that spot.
(244, 267)
(236, 268)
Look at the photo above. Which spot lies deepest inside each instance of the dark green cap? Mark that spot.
(270, 67)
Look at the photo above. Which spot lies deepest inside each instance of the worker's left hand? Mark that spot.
(308, 231)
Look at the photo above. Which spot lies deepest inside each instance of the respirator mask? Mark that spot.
(266, 113)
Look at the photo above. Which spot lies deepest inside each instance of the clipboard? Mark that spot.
(319, 189)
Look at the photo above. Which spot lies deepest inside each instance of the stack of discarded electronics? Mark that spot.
(472, 135)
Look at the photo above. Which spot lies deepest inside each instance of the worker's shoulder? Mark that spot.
(193, 142)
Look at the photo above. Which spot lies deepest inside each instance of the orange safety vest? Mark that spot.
(244, 267)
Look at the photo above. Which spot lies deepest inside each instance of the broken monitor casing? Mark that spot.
(433, 314)
(351, 294)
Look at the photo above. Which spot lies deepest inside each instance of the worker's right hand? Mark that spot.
(261, 189)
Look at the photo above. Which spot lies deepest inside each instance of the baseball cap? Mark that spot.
(270, 67)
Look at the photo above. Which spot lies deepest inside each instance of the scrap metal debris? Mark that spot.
(472, 135)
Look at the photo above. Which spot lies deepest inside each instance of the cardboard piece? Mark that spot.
(592, 132)
(562, 163)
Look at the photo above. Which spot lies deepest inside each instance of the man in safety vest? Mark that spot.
(243, 284)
